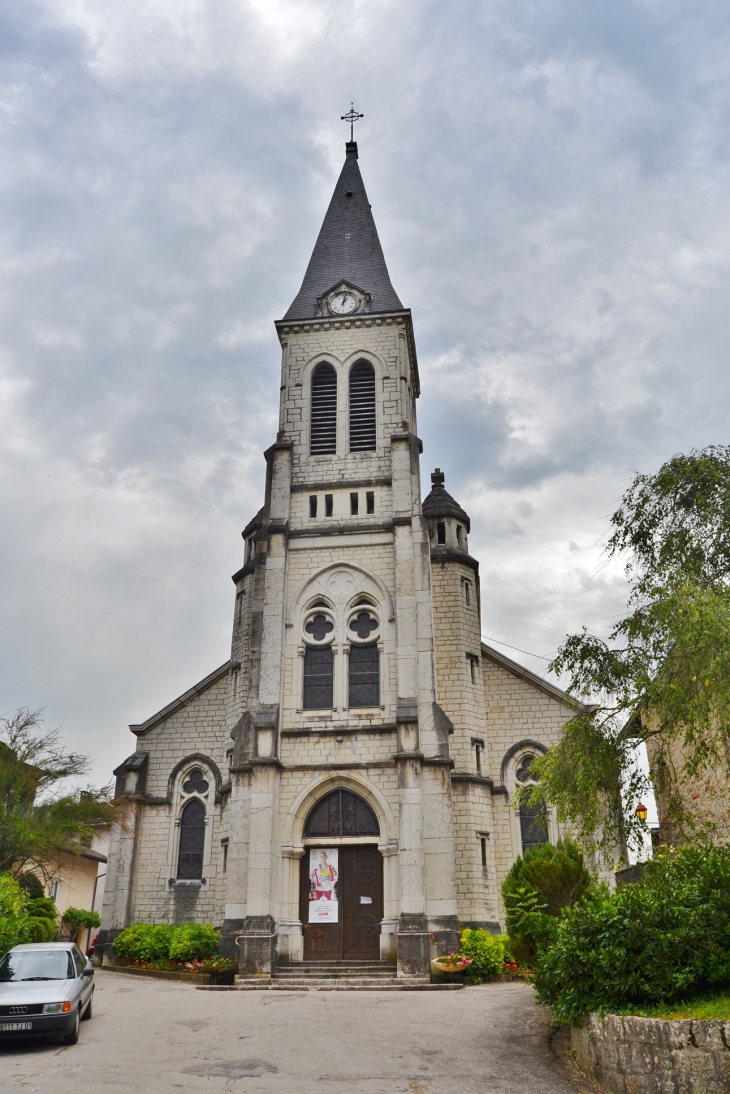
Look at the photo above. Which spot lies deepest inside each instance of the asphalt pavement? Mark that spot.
(153, 1036)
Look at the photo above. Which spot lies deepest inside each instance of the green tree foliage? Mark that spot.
(13, 914)
(664, 939)
(32, 885)
(663, 674)
(538, 888)
(160, 942)
(39, 817)
(487, 953)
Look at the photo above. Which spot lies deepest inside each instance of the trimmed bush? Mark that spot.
(538, 888)
(486, 951)
(144, 942)
(664, 939)
(160, 942)
(194, 940)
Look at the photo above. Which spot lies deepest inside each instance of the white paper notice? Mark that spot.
(323, 902)
(366, 900)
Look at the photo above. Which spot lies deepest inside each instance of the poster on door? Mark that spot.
(323, 902)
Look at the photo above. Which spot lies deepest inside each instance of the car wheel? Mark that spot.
(88, 1013)
(72, 1037)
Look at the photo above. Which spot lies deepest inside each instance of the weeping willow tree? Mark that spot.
(663, 674)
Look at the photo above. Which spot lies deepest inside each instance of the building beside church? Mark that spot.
(342, 787)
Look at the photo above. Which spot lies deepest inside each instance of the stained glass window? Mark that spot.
(364, 676)
(196, 782)
(318, 666)
(192, 841)
(342, 813)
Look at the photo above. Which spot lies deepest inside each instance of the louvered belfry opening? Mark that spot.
(362, 407)
(323, 440)
(192, 841)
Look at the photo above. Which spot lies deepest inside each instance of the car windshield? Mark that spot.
(37, 965)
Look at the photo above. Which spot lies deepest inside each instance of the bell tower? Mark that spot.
(333, 646)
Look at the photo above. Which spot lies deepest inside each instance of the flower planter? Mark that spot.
(221, 978)
(441, 966)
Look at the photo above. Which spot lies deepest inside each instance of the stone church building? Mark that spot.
(342, 787)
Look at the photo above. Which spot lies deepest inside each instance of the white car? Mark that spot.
(46, 989)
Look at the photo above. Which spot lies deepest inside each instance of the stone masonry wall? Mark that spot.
(653, 1056)
(199, 727)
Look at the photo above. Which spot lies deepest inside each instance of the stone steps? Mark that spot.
(336, 976)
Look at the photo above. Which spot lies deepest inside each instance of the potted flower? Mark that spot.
(451, 963)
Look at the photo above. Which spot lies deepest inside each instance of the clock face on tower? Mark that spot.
(342, 303)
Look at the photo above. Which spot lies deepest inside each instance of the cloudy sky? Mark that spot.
(550, 181)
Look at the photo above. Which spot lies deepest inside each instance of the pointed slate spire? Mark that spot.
(347, 249)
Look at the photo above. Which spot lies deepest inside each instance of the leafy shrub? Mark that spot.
(79, 917)
(486, 952)
(42, 925)
(538, 888)
(194, 940)
(13, 914)
(144, 942)
(32, 885)
(664, 939)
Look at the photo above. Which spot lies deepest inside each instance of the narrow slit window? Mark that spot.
(473, 666)
(370, 501)
(313, 505)
(328, 505)
(354, 503)
(483, 843)
(479, 756)
(440, 533)
(467, 593)
(224, 845)
(364, 676)
(459, 535)
(192, 841)
(318, 675)
(362, 407)
(323, 439)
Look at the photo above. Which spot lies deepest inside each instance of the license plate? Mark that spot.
(10, 1027)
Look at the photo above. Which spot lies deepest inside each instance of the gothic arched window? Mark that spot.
(323, 430)
(362, 407)
(192, 841)
(341, 813)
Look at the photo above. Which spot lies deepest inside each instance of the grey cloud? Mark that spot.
(550, 185)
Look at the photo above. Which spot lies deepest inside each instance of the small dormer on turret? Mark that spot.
(449, 525)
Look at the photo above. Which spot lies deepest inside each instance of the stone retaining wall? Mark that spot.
(654, 1056)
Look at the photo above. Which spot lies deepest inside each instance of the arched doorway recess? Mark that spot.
(341, 880)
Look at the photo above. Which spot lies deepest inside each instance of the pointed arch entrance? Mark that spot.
(341, 880)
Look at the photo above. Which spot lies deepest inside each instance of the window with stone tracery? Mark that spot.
(533, 817)
(364, 670)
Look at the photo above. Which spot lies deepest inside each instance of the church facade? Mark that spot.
(342, 787)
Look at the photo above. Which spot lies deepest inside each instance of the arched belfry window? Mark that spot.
(192, 841)
(323, 432)
(341, 813)
(362, 407)
(533, 817)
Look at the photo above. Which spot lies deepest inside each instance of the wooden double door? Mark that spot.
(357, 893)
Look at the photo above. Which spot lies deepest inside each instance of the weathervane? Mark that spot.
(351, 116)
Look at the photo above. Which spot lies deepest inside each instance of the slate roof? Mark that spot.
(347, 249)
(439, 503)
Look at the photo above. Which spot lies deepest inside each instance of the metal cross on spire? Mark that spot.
(352, 116)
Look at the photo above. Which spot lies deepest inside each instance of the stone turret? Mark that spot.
(460, 692)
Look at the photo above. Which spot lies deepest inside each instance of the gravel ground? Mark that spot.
(151, 1036)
